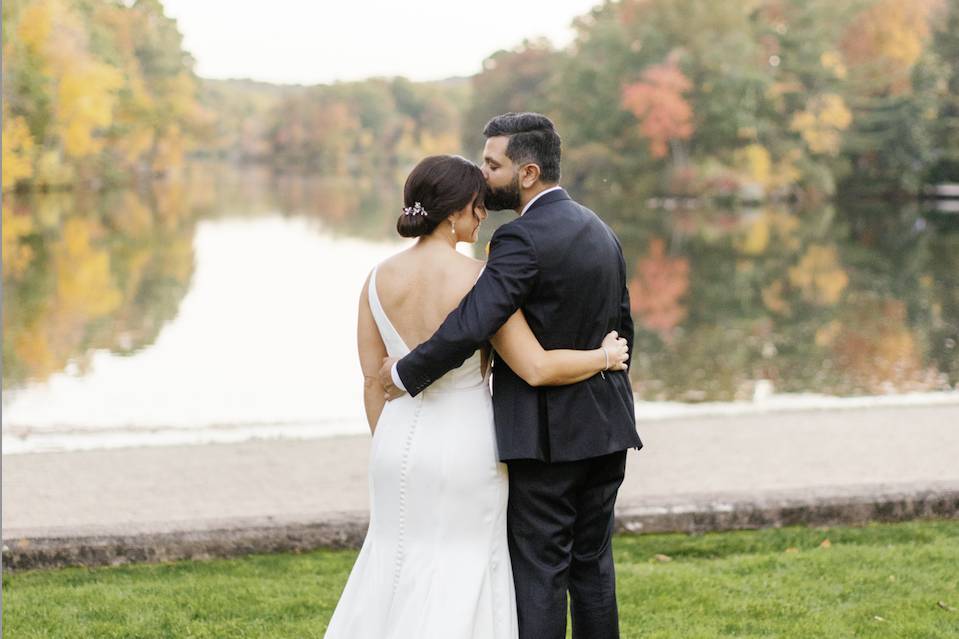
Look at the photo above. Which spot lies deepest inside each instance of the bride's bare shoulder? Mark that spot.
(467, 271)
(393, 265)
(471, 266)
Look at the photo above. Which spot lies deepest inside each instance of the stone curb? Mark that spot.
(775, 510)
(53, 548)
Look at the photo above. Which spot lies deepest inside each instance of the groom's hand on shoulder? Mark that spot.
(386, 379)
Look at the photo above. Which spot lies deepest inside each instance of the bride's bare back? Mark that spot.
(419, 287)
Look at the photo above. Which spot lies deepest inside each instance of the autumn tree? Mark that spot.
(665, 117)
(94, 92)
(891, 87)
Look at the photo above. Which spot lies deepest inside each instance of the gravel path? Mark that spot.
(159, 489)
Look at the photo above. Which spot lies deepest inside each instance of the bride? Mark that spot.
(435, 562)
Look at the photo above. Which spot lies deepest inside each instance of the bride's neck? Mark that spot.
(437, 240)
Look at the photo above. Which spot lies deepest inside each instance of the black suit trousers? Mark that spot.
(560, 540)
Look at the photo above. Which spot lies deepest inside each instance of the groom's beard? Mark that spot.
(504, 198)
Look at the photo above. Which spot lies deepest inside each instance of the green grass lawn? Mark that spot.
(898, 580)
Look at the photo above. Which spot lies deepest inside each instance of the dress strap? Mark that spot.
(391, 337)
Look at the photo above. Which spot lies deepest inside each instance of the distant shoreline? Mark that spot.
(19, 440)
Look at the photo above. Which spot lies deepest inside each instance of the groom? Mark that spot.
(565, 446)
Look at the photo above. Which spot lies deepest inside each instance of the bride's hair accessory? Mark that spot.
(416, 209)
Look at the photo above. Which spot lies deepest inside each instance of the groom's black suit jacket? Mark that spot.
(564, 267)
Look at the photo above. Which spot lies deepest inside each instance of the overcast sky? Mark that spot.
(317, 41)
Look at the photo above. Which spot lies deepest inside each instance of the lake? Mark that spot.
(222, 306)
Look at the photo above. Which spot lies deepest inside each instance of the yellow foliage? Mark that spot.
(178, 96)
(832, 112)
(832, 61)
(875, 346)
(885, 40)
(134, 144)
(84, 282)
(757, 237)
(76, 89)
(17, 148)
(52, 171)
(774, 227)
(16, 256)
(754, 160)
(49, 211)
(86, 97)
(35, 26)
(32, 347)
(897, 29)
(821, 124)
(819, 275)
(786, 172)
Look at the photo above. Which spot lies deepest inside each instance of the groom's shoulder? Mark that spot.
(514, 228)
(586, 217)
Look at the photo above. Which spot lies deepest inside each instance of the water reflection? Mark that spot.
(83, 273)
(229, 299)
(841, 300)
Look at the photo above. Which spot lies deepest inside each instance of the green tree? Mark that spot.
(517, 80)
(945, 46)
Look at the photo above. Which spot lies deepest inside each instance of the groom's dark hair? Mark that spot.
(532, 138)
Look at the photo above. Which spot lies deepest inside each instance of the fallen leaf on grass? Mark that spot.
(878, 618)
(945, 606)
(792, 551)
(825, 544)
(663, 558)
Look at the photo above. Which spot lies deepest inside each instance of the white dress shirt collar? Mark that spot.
(537, 196)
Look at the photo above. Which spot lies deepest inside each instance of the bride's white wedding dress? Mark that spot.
(435, 562)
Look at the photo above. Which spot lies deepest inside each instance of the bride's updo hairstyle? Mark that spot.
(436, 187)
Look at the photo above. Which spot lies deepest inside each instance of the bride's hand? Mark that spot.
(617, 349)
(386, 380)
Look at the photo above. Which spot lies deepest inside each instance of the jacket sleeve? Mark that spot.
(503, 287)
(626, 323)
(626, 329)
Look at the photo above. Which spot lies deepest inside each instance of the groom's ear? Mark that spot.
(529, 175)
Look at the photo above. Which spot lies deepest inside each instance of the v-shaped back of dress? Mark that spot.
(434, 477)
(468, 375)
(395, 346)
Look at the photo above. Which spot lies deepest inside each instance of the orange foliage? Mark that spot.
(657, 288)
(873, 345)
(657, 102)
(885, 40)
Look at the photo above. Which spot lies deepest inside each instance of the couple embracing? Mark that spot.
(486, 509)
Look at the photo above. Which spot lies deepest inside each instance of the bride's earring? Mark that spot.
(452, 227)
